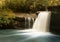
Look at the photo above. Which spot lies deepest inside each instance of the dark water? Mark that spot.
(14, 36)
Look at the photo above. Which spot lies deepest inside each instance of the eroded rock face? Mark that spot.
(55, 23)
(55, 19)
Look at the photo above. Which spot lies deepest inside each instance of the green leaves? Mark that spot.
(50, 2)
(27, 5)
(6, 16)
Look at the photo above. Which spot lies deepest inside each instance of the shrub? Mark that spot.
(6, 16)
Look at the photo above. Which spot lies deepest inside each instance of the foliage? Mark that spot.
(2, 3)
(24, 5)
(28, 5)
(6, 16)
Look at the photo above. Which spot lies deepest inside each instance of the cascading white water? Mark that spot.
(40, 27)
(42, 21)
(29, 19)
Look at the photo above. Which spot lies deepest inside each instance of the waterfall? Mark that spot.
(42, 21)
(40, 27)
(29, 19)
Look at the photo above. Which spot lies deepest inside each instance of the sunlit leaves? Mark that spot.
(2, 3)
(6, 16)
(28, 5)
(53, 2)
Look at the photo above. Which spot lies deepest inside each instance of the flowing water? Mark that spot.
(42, 21)
(41, 24)
(39, 32)
(29, 19)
